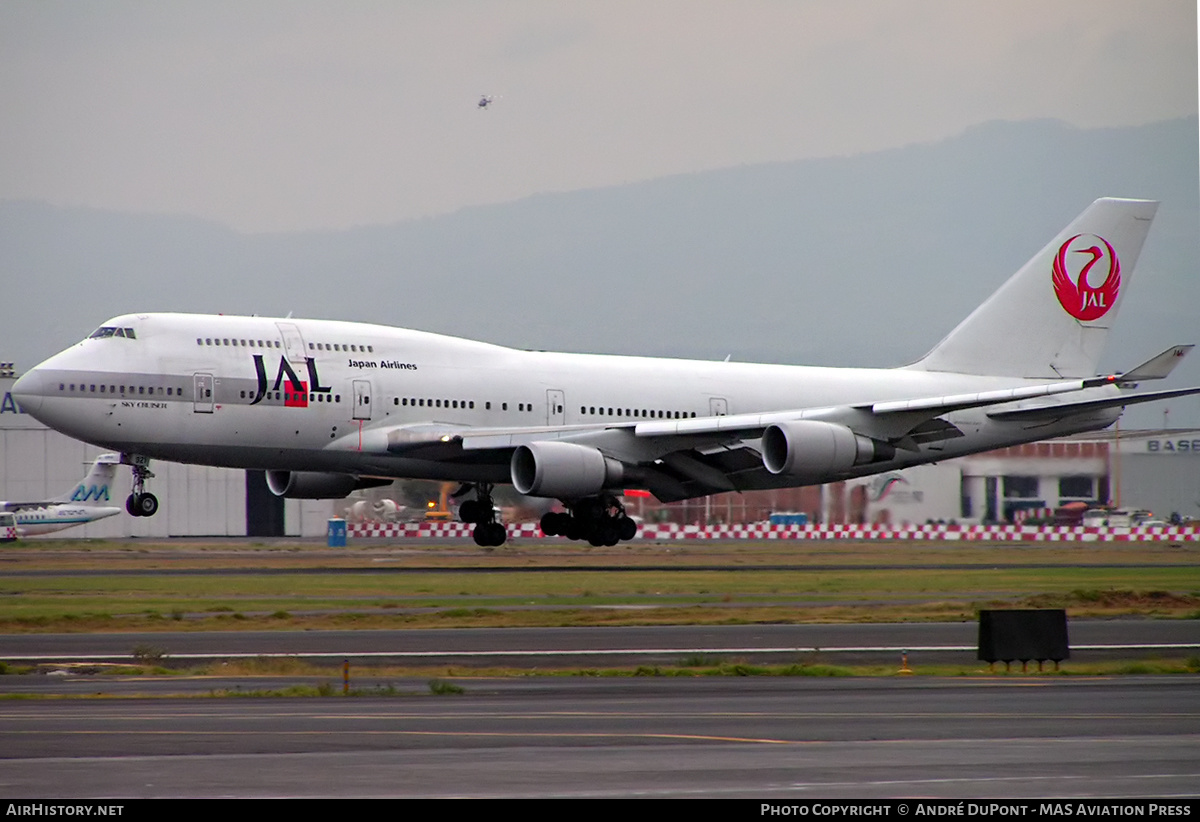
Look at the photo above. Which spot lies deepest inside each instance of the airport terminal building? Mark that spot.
(1154, 470)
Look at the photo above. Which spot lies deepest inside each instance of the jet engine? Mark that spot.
(814, 449)
(318, 485)
(563, 470)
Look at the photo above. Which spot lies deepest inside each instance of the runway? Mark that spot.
(540, 647)
(760, 738)
(755, 737)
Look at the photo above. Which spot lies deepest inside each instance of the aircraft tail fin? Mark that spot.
(95, 488)
(1050, 320)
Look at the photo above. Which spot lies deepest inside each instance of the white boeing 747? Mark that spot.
(82, 504)
(327, 407)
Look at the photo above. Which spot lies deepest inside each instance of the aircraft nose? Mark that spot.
(27, 391)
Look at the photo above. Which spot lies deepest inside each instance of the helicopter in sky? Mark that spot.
(485, 101)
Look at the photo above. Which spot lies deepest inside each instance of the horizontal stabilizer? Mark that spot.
(1156, 368)
(1053, 412)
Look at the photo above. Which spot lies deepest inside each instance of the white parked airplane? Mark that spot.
(84, 503)
(326, 407)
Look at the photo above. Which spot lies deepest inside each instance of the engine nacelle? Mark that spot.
(563, 470)
(812, 449)
(317, 485)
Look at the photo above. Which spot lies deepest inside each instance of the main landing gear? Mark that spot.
(140, 503)
(482, 512)
(600, 520)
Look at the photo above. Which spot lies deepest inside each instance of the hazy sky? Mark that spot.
(272, 115)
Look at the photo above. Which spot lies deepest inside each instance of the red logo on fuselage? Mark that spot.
(1081, 257)
(293, 398)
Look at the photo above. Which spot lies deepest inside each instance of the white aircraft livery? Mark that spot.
(86, 502)
(327, 407)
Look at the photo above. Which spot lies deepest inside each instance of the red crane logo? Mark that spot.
(1078, 257)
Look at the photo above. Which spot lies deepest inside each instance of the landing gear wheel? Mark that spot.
(147, 505)
(601, 521)
(489, 534)
(626, 528)
(482, 511)
(469, 511)
(140, 503)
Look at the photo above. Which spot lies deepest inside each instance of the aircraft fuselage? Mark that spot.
(294, 394)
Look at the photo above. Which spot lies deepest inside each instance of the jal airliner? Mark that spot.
(326, 407)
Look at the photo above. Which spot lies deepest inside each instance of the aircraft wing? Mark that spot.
(13, 507)
(678, 459)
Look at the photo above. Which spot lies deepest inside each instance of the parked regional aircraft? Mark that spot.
(327, 407)
(82, 504)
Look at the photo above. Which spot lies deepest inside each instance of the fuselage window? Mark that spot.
(503, 406)
(472, 404)
(199, 341)
(370, 349)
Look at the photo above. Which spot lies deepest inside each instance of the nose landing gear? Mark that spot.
(140, 503)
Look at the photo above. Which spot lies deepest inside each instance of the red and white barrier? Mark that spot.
(668, 532)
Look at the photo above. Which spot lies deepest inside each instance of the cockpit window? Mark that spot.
(112, 331)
